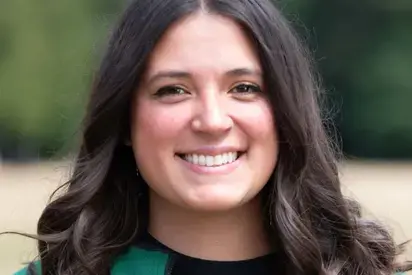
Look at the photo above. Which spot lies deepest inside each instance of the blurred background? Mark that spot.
(50, 49)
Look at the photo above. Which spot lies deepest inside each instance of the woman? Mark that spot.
(203, 152)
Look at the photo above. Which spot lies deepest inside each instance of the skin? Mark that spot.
(216, 104)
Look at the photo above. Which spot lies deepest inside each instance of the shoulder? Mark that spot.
(141, 261)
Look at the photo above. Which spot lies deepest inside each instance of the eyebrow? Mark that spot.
(243, 72)
(184, 74)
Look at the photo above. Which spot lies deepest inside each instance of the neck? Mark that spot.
(238, 234)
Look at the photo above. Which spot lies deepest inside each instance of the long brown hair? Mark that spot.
(104, 208)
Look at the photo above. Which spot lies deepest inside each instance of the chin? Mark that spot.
(217, 207)
(215, 204)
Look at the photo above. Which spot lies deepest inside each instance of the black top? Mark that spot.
(259, 266)
(185, 265)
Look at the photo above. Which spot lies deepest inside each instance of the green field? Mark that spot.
(385, 190)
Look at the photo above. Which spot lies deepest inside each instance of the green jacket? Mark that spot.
(150, 257)
(136, 261)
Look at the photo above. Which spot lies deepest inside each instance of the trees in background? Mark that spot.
(47, 53)
(363, 50)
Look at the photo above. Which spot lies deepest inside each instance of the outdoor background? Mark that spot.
(50, 49)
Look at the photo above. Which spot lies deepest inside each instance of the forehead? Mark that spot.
(204, 42)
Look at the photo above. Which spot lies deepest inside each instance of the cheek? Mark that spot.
(258, 122)
(155, 126)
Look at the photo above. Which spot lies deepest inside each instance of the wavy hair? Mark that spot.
(104, 205)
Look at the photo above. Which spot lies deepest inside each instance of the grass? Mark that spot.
(384, 189)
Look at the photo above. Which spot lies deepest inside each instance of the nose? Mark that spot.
(212, 115)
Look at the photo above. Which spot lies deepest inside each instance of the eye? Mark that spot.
(246, 89)
(170, 91)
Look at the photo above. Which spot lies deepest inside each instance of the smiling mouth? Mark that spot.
(211, 161)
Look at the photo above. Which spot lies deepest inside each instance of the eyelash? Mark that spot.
(177, 90)
(254, 88)
(170, 91)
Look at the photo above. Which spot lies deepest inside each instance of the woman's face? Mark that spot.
(203, 133)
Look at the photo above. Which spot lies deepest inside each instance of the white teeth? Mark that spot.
(195, 159)
(209, 161)
(225, 158)
(202, 160)
(218, 160)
